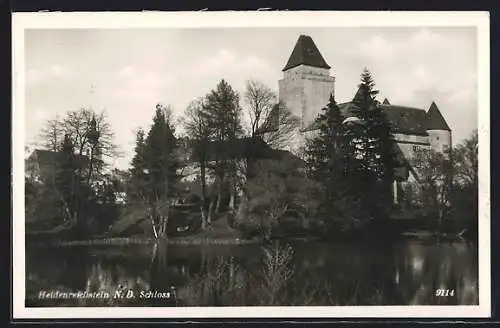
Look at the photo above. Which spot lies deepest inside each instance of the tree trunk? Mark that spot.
(152, 214)
(203, 195)
(232, 198)
(163, 217)
(154, 229)
(232, 186)
(241, 216)
(161, 232)
(203, 218)
(219, 196)
(91, 166)
(211, 206)
(166, 217)
(210, 212)
(154, 253)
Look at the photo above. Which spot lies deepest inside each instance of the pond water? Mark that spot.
(297, 273)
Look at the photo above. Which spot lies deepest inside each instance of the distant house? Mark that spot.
(239, 151)
(42, 165)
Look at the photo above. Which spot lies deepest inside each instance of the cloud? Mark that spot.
(462, 95)
(202, 75)
(422, 77)
(212, 64)
(424, 37)
(410, 67)
(126, 72)
(229, 63)
(138, 84)
(36, 76)
(378, 47)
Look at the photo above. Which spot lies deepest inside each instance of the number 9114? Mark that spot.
(445, 292)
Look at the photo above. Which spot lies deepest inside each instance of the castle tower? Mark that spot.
(306, 85)
(438, 130)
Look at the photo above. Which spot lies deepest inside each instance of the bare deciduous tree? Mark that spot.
(92, 137)
(79, 140)
(52, 134)
(434, 170)
(259, 100)
(275, 123)
(465, 160)
(287, 126)
(197, 130)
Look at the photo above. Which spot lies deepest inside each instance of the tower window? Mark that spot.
(437, 138)
(415, 148)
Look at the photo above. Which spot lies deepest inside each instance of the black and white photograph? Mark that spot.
(251, 164)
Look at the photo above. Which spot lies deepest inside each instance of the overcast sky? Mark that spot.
(132, 70)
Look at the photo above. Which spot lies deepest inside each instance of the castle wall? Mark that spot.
(440, 140)
(409, 144)
(291, 94)
(298, 71)
(409, 150)
(305, 91)
(411, 138)
(317, 96)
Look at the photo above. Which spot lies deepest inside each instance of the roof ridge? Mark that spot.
(403, 107)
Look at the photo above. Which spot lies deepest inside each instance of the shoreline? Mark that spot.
(192, 240)
(120, 241)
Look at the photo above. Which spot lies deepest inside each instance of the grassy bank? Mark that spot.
(215, 235)
(192, 240)
(220, 233)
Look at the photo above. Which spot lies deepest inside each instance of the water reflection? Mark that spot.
(299, 274)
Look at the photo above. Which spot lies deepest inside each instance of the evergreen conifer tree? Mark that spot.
(222, 114)
(66, 179)
(374, 144)
(138, 171)
(161, 154)
(154, 170)
(324, 158)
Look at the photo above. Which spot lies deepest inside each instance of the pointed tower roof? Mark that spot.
(435, 120)
(305, 53)
(386, 102)
(360, 94)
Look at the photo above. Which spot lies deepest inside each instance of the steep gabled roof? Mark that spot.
(305, 53)
(49, 158)
(345, 109)
(435, 120)
(231, 149)
(405, 120)
(43, 157)
(360, 95)
(241, 148)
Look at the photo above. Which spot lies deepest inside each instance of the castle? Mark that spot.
(306, 87)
